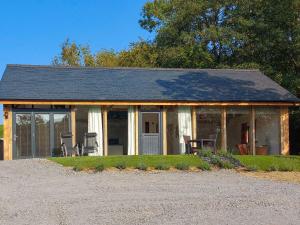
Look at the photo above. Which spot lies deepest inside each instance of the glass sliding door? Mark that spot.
(61, 126)
(22, 136)
(238, 125)
(42, 135)
(209, 126)
(37, 133)
(172, 131)
(267, 124)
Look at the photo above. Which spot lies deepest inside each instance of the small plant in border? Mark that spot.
(285, 168)
(182, 166)
(162, 166)
(216, 160)
(99, 168)
(205, 152)
(77, 168)
(121, 165)
(142, 166)
(272, 168)
(252, 168)
(204, 166)
(225, 153)
(226, 165)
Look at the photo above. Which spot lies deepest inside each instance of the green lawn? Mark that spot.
(91, 162)
(271, 163)
(1, 131)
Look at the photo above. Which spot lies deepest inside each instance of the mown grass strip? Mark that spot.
(154, 161)
(270, 163)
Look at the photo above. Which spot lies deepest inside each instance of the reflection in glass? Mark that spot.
(23, 136)
(42, 135)
(150, 123)
(208, 125)
(61, 125)
(267, 134)
(238, 122)
(172, 131)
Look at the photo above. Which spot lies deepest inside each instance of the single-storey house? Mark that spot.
(138, 111)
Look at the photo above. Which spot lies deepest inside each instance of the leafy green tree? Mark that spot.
(86, 56)
(262, 34)
(140, 54)
(196, 25)
(107, 58)
(70, 55)
(271, 34)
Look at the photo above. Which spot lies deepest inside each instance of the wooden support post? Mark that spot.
(136, 116)
(7, 133)
(73, 125)
(252, 131)
(105, 131)
(223, 129)
(194, 124)
(164, 130)
(284, 130)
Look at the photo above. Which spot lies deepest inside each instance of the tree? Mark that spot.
(197, 25)
(262, 34)
(107, 58)
(70, 55)
(140, 54)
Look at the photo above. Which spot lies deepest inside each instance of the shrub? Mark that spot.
(182, 166)
(99, 168)
(285, 167)
(77, 168)
(204, 166)
(162, 166)
(272, 168)
(121, 165)
(141, 166)
(226, 165)
(216, 160)
(251, 168)
(225, 154)
(205, 153)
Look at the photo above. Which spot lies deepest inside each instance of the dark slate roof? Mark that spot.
(27, 82)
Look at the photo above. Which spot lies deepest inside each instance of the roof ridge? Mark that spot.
(127, 68)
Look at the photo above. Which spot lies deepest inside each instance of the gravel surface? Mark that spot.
(42, 192)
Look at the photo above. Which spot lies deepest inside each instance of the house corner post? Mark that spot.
(7, 133)
(164, 130)
(136, 117)
(105, 131)
(284, 131)
(73, 124)
(194, 124)
(252, 131)
(223, 129)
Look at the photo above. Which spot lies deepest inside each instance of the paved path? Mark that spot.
(41, 192)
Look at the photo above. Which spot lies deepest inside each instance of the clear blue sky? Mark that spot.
(32, 31)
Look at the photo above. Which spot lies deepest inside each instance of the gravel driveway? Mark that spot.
(41, 192)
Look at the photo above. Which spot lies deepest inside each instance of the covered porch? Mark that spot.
(136, 129)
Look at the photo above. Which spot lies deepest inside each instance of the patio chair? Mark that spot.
(67, 147)
(189, 149)
(90, 144)
(243, 149)
(211, 140)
